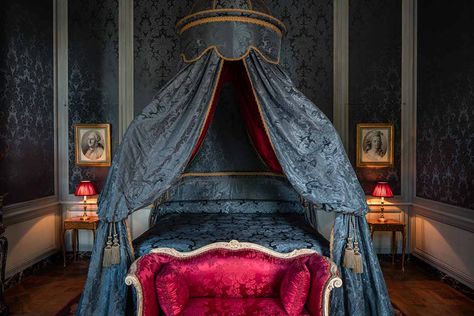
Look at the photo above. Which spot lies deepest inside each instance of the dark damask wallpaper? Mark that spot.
(445, 133)
(93, 76)
(156, 45)
(375, 79)
(307, 49)
(26, 100)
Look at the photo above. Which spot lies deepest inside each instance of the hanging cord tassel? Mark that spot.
(115, 255)
(107, 261)
(349, 251)
(358, 263)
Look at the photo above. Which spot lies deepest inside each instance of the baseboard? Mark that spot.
(444, 267)
(30, 262)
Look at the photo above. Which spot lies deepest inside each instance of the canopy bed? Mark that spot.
(299, 166)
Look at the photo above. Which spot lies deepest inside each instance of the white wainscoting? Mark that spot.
(443, 236)
(32, 230)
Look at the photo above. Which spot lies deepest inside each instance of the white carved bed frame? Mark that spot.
(333, 282)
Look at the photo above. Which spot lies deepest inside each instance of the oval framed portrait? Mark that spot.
(92, 144)
(375, 145)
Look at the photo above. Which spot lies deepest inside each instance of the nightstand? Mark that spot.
(75, 224)
(391, 226)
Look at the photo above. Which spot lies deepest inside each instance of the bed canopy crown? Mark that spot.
(231, 28)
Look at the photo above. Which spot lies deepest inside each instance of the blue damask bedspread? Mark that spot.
(282, 232)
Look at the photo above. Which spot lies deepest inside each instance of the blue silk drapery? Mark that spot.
(158, 145)
(153, 154)
(315, 163)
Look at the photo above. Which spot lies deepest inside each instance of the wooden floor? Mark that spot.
(415, 292)
(49, 291)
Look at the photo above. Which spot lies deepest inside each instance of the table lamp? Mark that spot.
(382, 190)
(85, 189)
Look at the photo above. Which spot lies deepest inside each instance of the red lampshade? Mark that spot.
(382, 189)
(85, 188)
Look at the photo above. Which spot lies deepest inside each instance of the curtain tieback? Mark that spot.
(112, 247)
(352, 256)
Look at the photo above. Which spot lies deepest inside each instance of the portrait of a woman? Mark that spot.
(374, 145)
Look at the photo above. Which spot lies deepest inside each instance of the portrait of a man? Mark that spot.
(374, 145)
(92, 144)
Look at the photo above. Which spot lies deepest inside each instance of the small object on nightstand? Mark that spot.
(85, 189)
(391, 226)
(382, 190)
(74, 224)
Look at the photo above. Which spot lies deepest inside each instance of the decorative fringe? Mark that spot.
(358, 264)
(349, 254)
(129, 236)
(331, 243)
(115, 253)
(107, 261)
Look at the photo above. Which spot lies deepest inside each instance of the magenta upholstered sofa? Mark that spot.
(233, 279)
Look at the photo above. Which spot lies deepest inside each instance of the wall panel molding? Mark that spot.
(408, 108)
(24, 211)
(341, 70)
(459, 217)
(62, 97)
(126, 63)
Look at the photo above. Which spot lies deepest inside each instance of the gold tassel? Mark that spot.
(115, 253)
(349, 254)
(107, 261)
(358, 264)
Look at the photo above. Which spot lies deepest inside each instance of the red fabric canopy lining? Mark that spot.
(235, 73)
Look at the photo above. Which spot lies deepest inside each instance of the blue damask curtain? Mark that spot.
(315, 162)
(154, 153)
(159, 143)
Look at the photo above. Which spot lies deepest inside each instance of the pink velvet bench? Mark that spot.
(233, 279)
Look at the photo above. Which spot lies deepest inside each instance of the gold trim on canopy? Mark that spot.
(259, 107)
(216, 49)
(220, 19)
(211, 101)
(277, 21)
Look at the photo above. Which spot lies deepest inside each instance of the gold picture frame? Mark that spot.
(92, 145)
(375, 145)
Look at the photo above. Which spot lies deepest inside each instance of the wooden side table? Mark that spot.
(74, 224)
(391, 226)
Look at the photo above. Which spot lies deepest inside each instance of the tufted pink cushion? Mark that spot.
(295, 288)
(172, 291)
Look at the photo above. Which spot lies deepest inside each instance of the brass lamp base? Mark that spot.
(84, 216)
(382, 217)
